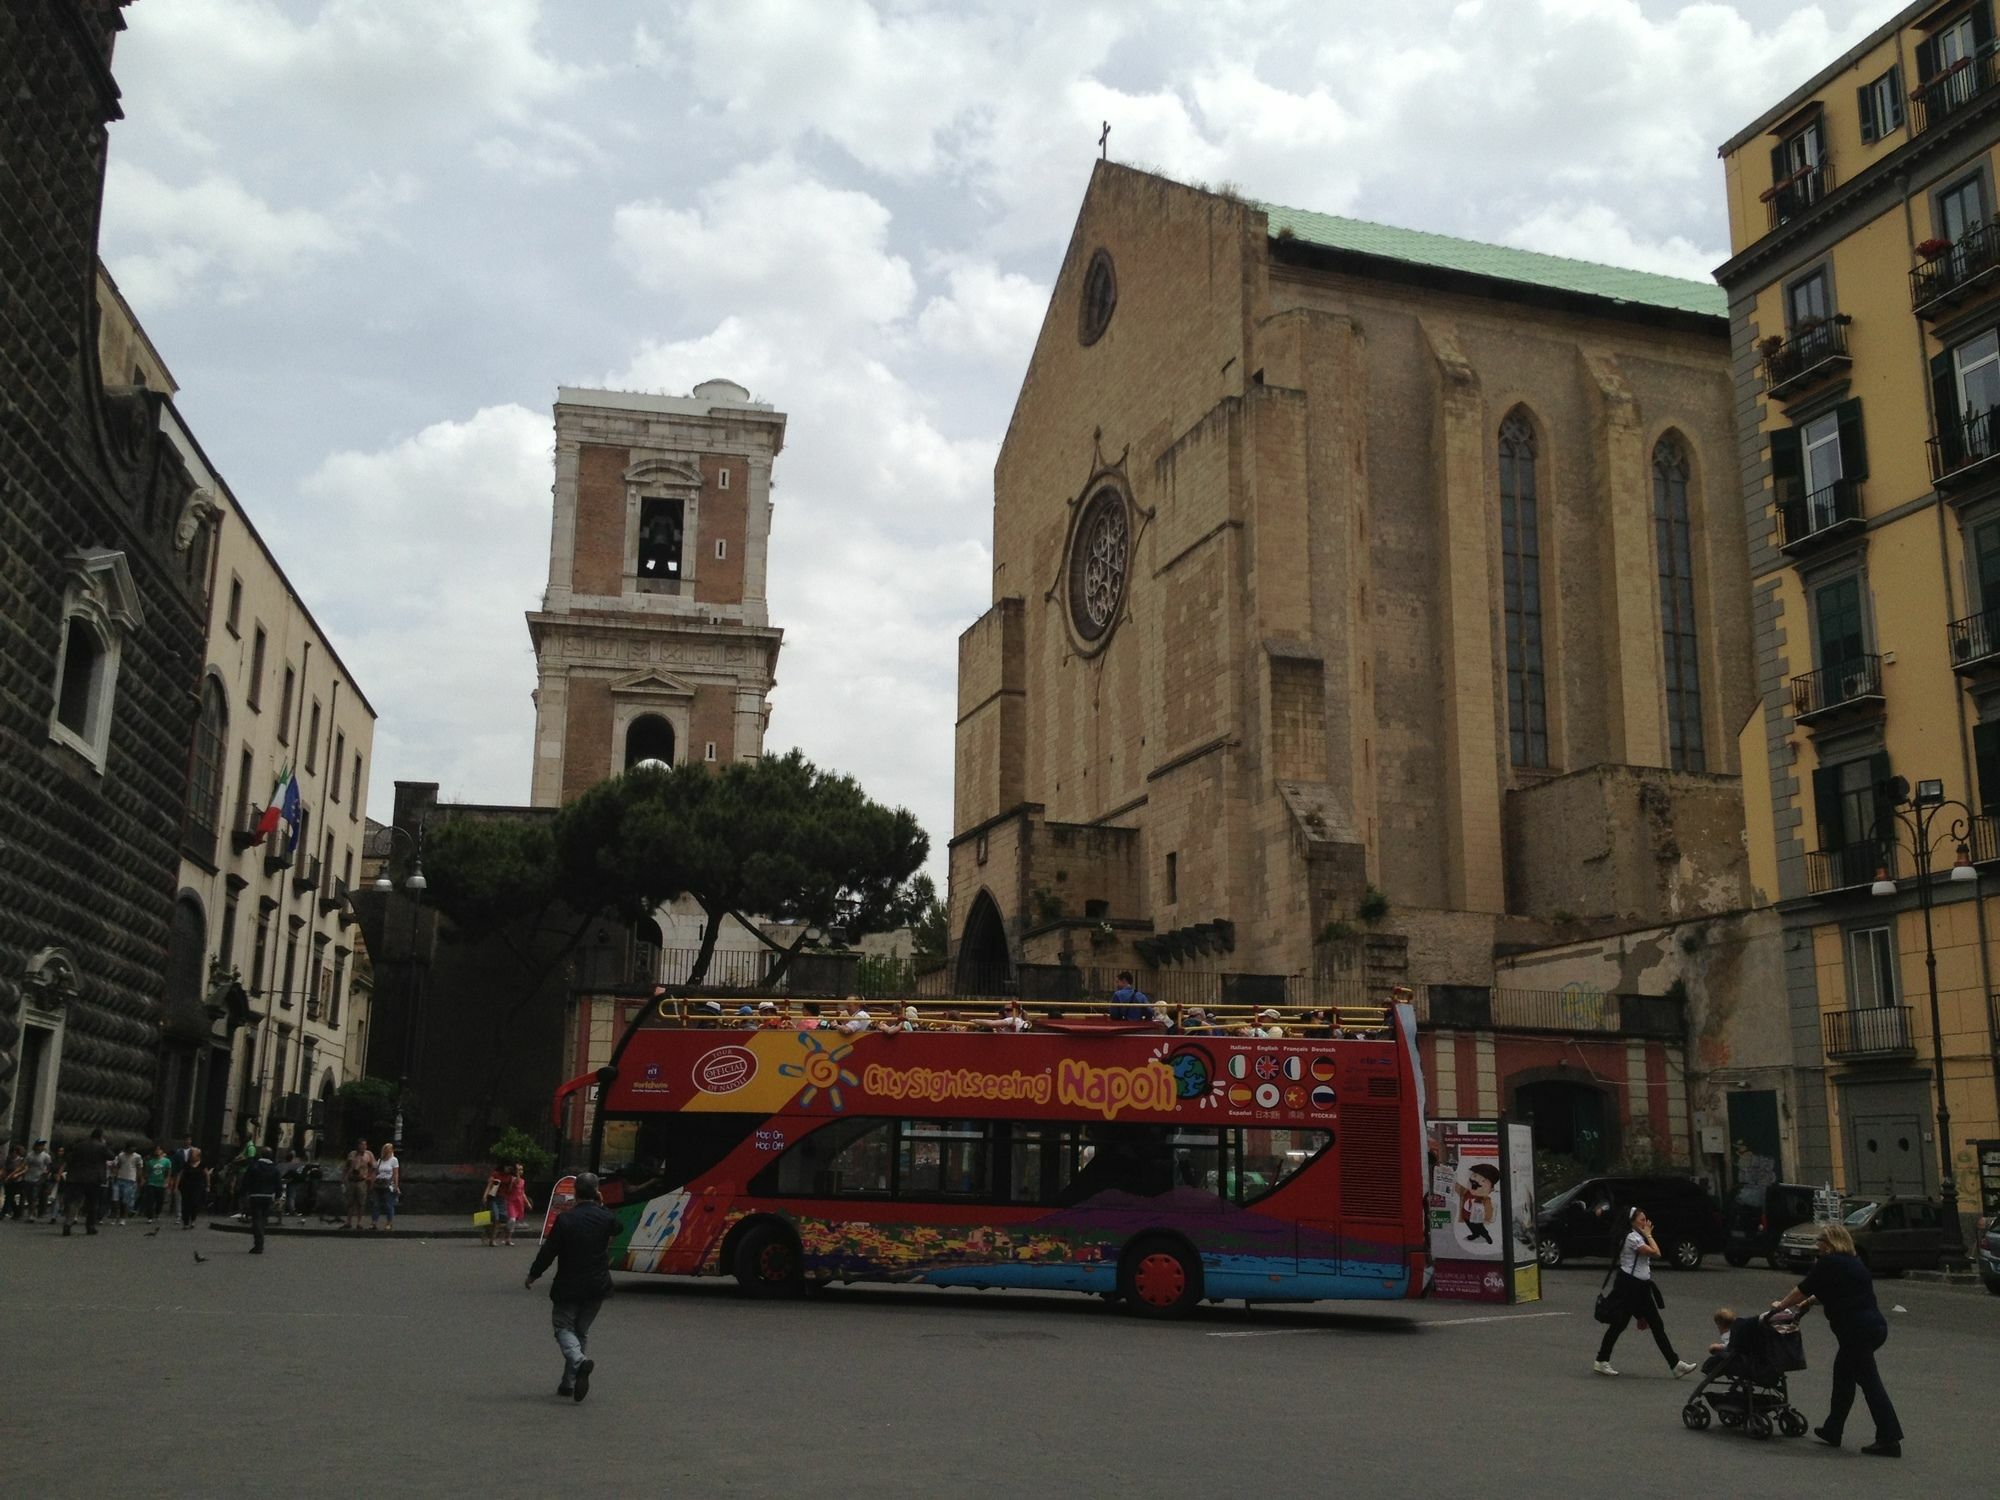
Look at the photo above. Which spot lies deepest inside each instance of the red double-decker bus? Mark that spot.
(1123, 1160)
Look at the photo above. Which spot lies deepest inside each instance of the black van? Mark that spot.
(1758, 1215)
(1588, 1219)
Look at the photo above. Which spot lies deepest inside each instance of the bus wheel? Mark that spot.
(1159, 1279)
(767, 1262)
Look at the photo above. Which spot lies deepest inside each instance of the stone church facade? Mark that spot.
(654, 639)
(1356, 616)
(107, 541)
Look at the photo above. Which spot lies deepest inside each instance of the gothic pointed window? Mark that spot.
(1521, 584)
(1679, 645)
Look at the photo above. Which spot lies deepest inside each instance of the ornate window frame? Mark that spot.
(655, 693)
(1097, 564)
(100, 594)
(664, 479)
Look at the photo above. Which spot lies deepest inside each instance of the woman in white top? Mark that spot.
(1633, 1295)
(388, 1183)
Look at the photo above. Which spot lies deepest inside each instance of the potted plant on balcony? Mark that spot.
(1931, 249)
(1770, 345)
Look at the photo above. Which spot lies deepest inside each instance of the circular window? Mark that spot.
(1100, 297)
(1099, 562)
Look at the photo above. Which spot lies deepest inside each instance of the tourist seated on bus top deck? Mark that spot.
(858, 1018)
(1011, 1018)
(1196, 1022)
(1265, 1024)
(810, 1020)
(773, 1016)
(1128, 1001)
(909, 1020)
(1162, 1015)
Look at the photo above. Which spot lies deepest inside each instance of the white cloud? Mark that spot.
(773, 235)
(1595, 231)
(212, 229)
(987, 312)
(420, 559)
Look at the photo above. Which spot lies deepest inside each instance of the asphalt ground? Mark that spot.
(418, 1366)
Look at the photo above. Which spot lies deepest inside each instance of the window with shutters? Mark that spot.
(1849, 802)
(1986, 766)
(1882, 107)
(1871, 958)
(1960, 210)
(1521, 582)
(204, 798)
(1800, 172)
(1817, 468)
(1679, 643)
(1954, 66)
(1837, 624)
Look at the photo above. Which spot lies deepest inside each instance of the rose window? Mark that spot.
(1099, 562)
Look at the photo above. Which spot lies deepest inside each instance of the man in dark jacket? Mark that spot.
(261, 1181)
(578, 1244)
(83, 1183)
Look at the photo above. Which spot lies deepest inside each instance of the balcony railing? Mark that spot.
(1575, 1008)
(1812, 354)
(1969, 267)
(1975, 642)
(1826, 514)
(1952, 90)
(1983, 839)
(1965, 448)
(1793, 195)
(1878, 1031)
(1831, 870)
(1851, 686)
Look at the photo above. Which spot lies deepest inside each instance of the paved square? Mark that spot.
(361, 1367)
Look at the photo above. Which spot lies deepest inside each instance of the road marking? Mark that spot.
(1278, 1333)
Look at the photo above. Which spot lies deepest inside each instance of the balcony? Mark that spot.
(1793, 195)
(1812, 356)
(1831, 871)
(1824, 516)
(1849, 690)
(306, 877)
(1982, 840)
(1965, 451)
(1951, 92)
(1975, 643)
(1879, 1031)
(1966, 270)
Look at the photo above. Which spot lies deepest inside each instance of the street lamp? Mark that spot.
(1923, 807)
(415, 884)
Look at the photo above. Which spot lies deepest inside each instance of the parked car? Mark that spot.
(1758, 1217)
(1989, 1254)
(1589, 1219)
(1891, 1235)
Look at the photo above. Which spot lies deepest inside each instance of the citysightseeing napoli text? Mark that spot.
(1150, 1086)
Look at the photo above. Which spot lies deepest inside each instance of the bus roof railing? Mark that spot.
(978, 1013)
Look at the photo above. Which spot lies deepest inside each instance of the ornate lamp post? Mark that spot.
(1913, 815)
(415, 885)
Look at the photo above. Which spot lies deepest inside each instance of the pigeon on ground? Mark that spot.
(200, 1259)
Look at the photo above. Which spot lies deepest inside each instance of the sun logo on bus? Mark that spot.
(821, 1070)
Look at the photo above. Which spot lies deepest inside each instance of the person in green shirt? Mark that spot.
(153, 1196)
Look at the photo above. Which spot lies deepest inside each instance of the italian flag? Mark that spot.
(284, 807)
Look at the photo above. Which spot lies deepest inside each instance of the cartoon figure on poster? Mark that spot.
(1478, 1194)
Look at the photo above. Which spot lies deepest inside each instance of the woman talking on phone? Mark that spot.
(1633, 1295)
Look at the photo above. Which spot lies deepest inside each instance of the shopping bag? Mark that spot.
(481, 1219)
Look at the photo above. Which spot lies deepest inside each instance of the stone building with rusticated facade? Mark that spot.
(1357, 616)
(107, 541)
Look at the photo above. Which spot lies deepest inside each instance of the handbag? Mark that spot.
(1605, 1310)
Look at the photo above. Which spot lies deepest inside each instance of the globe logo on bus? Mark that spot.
(1192, 1072)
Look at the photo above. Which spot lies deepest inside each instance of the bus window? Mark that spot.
(941, 1158)
(1269, 1157)
(656, 1153)
(1145, 1161)
(1042, 1156)
(849, 1158)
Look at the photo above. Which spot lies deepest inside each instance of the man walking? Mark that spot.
(83, 1183)
(577, 1244)
(261, 1181)
(35, 1180)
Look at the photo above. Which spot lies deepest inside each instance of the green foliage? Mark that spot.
(930, 924)
(1374, 906)
(1048, 905)
(367, 1110)
(488, 874)
(1339, 930)
(883, 975)
(515, 1144)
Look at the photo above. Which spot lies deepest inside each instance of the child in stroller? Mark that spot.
(1743, 1379)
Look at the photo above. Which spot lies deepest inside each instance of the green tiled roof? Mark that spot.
(1500, 262)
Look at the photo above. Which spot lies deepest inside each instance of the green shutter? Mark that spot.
(1944, 406)
(1895, 120)
(1982, 26)
(1927, 64)
(1779, 171)
(1787, 464)
(1853, 448)
(1865, 100)
(1826, 806)
(1986, 761)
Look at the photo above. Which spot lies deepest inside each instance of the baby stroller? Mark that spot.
(1746, 1387)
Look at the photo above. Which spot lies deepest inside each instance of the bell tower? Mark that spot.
(654, 639)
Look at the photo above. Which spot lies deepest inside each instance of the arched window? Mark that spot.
(1678, 642)
(211, 732)
(649, 737)
(1521, 580)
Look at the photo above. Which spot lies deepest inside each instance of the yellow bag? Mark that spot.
(481, 1219)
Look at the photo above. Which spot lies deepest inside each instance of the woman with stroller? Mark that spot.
(1841, 1283)
(1633, 1295)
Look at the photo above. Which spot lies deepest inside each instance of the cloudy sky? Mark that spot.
(371, 237)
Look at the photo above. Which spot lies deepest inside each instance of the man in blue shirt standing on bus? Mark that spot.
(1128, 1001)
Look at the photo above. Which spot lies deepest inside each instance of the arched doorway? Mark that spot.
(1569, 1118)
(647, 941)
(184, 1022)
(649, 737)
(984, 964)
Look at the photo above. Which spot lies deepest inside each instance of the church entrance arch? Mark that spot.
(984, 965)
(649, 737)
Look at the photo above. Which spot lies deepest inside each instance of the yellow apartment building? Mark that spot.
(1864, 299)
